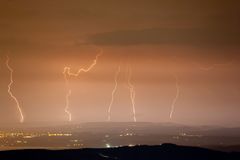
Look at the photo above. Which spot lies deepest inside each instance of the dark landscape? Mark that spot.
(117, 134)
(119, 140)
(165, 151)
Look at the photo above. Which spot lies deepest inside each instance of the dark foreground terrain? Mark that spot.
(165, 152)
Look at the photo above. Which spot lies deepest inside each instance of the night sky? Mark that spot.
(192, 44)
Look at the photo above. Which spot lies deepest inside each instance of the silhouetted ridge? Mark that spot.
(165, 151)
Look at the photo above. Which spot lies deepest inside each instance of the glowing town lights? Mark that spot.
(108, 145)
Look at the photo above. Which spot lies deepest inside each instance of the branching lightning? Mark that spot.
(132, 93)
(176, 96)
(67, 73)
(131, 88)
(67, 70)
(113, 92)
(10, 91)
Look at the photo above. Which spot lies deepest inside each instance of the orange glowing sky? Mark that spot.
(196, 41)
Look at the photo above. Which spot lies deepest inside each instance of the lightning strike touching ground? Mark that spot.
(132, 93)
(176, 96)
(10, 91)
(67, 73)
(113, 92)
(68, 94)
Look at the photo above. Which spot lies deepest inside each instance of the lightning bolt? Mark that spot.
(67, 73)
(176, 96)
(113, 92)
(68, 69)
(132, 93)
(10, 92)
(68, 94)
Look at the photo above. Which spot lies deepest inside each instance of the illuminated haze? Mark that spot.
(199, 42)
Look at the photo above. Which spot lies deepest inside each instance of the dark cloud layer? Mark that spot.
(44, 23)
(187, 36)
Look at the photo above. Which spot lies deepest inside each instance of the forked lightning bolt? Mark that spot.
(67, 73)
(176, 96)
(67, 70)
(113, 93)
(10, 92)
(132, 93)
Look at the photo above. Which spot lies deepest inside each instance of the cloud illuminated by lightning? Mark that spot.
(176, 96)
(67, 73)
(10, 92)
(113, 93)
(132, 93)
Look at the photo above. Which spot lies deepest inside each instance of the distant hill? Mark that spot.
(141, 127)
(164, 152)
(100, 134)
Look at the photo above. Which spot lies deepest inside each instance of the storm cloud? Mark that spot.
(157, 36)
